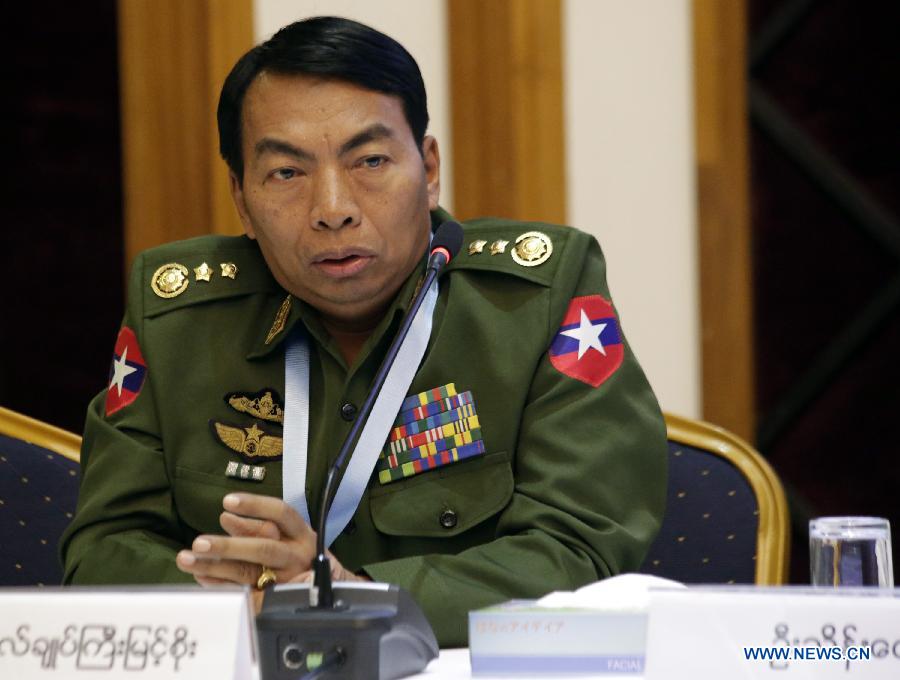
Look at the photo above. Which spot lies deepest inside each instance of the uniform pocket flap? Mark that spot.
(446, 501)
(198, 497)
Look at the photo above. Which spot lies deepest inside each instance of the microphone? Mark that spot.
(445, 245)
(368, 625)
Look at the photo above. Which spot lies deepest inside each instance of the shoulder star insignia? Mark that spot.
(499, 246)
(203, 272)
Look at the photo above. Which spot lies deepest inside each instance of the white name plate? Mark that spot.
(93, 633)
(792, 632)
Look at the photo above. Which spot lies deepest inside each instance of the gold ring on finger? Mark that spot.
(266, 578)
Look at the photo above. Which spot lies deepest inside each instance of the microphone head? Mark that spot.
(448, 237)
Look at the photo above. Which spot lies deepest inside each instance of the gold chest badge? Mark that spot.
(251, 443)
(262, 404)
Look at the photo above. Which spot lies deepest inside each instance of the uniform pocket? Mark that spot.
(446, 501)
(198, 496)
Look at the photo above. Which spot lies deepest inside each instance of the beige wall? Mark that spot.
(419, 25)
(630, 175)
(629, 147)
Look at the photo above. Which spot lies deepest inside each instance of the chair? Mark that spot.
(726, 517)
(38, 492)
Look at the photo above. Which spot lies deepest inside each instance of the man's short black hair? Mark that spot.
(330, 47)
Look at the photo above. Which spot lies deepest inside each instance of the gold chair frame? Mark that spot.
(63, 442)
(773, 533)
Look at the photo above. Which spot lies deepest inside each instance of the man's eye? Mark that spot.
(285, 173)
(373, 162)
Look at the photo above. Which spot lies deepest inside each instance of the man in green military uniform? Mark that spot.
(529, 454)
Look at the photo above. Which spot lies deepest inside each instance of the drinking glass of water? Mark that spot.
(850, 551)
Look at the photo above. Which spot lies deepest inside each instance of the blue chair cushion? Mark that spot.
(709, 530)
(38, 493)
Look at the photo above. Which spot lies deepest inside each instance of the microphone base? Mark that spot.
(378, 629)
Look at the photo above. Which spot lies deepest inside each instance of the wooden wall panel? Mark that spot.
(507, 109)
(726, 296)
(174, 56)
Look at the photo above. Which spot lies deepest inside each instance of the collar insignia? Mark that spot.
(416, 291)
(280, 319)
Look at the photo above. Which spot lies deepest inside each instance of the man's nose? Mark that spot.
(334, 206)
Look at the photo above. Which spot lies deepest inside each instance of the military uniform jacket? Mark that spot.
(568, 484)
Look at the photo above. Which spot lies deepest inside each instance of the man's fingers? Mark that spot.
(235, 525)
(267, 508)
(274, 554)
(218, 571)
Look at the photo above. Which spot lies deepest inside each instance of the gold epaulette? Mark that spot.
(202, 269)
(530, 250)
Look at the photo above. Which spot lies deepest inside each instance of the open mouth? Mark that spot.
(341, 260)
(347, 265)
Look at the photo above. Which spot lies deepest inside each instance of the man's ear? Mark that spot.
(431, 156)
(237, 195)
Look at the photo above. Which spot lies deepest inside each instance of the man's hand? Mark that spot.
(261, 531)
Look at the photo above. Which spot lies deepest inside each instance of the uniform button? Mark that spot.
(348, 411)
(350, 529)
(448, 519)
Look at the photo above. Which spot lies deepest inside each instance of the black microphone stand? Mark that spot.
(368, 626)
(322, 594)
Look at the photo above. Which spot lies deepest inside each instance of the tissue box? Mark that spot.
(521, 638)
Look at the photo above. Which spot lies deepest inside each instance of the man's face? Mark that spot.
(335, 191)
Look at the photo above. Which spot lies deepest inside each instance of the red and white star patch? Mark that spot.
(127, 374)
(588, 345)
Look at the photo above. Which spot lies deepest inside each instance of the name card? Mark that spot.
(790, 632)
(92, 633)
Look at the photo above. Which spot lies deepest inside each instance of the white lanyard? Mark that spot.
(374, 434)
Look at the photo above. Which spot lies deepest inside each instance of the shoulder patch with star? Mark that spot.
(588, 345)
(127, 374)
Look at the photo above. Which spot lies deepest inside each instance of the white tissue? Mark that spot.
(623, 593)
